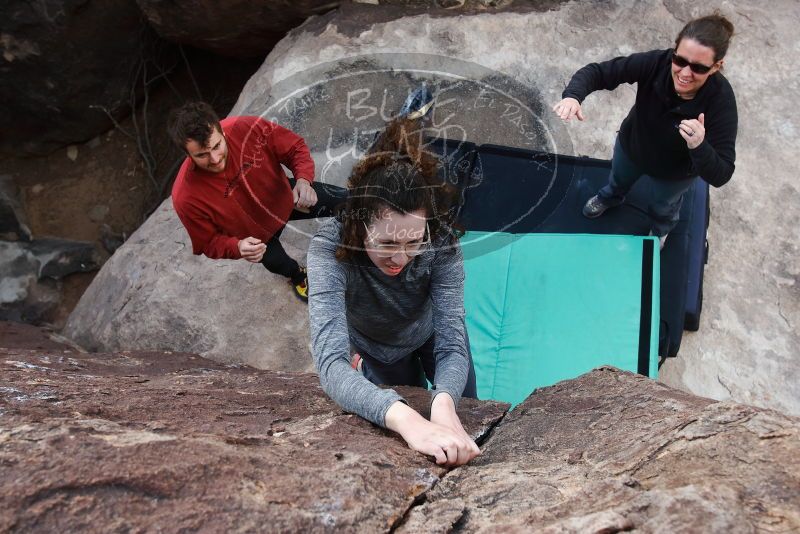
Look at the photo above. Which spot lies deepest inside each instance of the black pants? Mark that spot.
(275, 258)
(413, 370)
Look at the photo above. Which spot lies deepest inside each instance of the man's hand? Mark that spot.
(304, 195)
(568, 108)
(693, 130)
(447, 446)
(252, 249)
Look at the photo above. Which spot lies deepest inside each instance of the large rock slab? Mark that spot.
(611, 452)
(144, 441)
(172, 442)
(340, 76)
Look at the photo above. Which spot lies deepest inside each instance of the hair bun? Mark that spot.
(714, 31)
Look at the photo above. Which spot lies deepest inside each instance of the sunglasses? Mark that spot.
(697, 68)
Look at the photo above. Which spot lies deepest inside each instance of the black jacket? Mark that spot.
(649, 134)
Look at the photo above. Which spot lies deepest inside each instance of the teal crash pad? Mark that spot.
(542, 308)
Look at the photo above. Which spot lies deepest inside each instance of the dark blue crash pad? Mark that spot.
(520, 191)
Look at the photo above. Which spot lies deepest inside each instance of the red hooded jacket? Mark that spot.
(251, 197)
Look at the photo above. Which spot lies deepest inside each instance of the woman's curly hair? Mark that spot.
(397, 174)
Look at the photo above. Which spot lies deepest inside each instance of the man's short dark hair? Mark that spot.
(193, 121)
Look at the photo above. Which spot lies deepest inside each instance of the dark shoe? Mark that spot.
(418, 104)
(300, 287)
(596, 206)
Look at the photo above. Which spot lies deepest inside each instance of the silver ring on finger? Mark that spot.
(691, 133)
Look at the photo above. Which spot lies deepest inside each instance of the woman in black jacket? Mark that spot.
(683, 124)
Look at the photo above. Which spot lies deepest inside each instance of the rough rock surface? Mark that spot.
(748, 340)
(171, 442)
(138, 441)
(612, 452)
(58, 58)
(25, 336)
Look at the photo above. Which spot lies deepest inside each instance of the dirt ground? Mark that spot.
(100, 191)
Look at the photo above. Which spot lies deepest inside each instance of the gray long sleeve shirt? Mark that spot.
(387, 316)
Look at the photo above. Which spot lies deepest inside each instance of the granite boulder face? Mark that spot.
(612, 452)
(339, 77)
(171, 441)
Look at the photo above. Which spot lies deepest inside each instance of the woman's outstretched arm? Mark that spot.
(330, 342)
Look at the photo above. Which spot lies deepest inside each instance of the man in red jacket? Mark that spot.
(232, 194)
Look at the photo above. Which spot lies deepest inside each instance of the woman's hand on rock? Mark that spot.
(447, 446)
(443, 412)
(568, 108)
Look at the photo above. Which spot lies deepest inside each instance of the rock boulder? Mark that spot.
(172, 442)
(613, 452)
